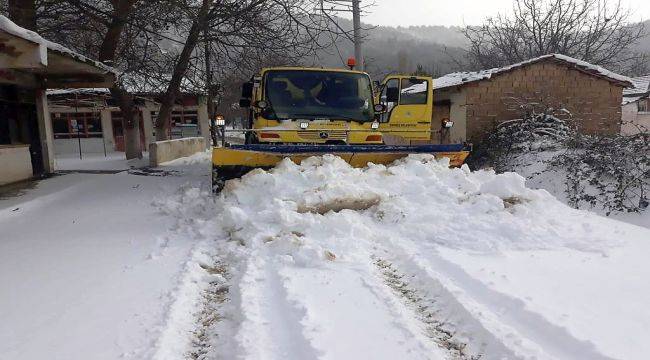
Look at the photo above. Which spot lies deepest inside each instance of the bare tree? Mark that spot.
(243, 34)
(123, 33)
(597, 31)
(154, 43)
(23, 13)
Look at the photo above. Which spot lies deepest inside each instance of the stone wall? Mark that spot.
(595, 103)
(15, 163)
(164, 151)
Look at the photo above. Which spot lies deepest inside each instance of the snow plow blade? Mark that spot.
(234, 161)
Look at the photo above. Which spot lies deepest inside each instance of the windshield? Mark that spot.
(295, 94)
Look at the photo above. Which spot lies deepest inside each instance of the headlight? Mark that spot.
(375, 125)
(304, 125)
(219, 121)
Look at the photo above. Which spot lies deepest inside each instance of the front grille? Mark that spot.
(316, 135)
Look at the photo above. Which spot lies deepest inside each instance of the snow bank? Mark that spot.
(199, 158)
(418, 197)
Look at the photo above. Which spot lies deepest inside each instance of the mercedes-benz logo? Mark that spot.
(324, 135)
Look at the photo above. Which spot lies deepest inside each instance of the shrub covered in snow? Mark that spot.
(607, 172)
(612, 173)
(541, 127)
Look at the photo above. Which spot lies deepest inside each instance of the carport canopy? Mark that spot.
(28, 60)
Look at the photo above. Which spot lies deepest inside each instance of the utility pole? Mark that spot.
(356, 20)
(357, 38)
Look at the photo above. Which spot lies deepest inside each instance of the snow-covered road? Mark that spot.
(413, 261)
(320, 261)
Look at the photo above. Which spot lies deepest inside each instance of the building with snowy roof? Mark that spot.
(29, 65)
(88, 121)
(636, 106)
(477, 101)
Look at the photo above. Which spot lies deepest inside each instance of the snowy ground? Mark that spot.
(409, 261)
(112, 161)
(88, 267)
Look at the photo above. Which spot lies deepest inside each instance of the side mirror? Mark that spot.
(392, 94)
(247, 90)
(261, 104)
(244, 103)
(380, 108)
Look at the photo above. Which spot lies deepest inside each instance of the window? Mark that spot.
(60, 124)
(392, 85)
(297, 94)
(642, 105)
(414, 92)
(73, 125)
(183, 117)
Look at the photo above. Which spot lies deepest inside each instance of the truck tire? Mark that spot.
(217, 182)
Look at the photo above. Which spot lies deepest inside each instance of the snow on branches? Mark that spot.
(610, 172)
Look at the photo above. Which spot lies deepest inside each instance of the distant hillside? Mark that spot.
(644, 45)
(435, 49)
(450, 36)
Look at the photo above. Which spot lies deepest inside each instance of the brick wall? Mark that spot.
(595, 103)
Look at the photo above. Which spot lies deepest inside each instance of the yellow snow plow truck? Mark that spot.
(297, 113)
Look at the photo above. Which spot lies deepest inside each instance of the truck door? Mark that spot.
(409, 103)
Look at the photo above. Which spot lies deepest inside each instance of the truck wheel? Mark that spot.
(251, 139)
(217, 182)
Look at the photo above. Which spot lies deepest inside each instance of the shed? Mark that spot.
(477, 101)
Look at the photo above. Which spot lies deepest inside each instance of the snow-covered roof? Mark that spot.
(91, 91)
(641, 85)
(462, 78)
(631, 99)
(10, 27)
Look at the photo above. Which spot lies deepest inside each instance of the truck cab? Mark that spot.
(408, 101)
(290, 105)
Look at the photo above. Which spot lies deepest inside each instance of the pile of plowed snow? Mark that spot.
(418, 198)
(416, 260)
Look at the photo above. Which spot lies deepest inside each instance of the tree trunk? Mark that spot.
(23, 13)
(130, 122)
(209, 90)
(107, 53)
(173, 89)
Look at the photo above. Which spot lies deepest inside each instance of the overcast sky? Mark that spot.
(455, 12)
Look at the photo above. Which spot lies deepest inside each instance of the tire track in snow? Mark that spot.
(194, 312)
(501, 325)
(351, 313)
(451, 325)
(271, 326)
(424, 309)
(212, 313)
(509, 318)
